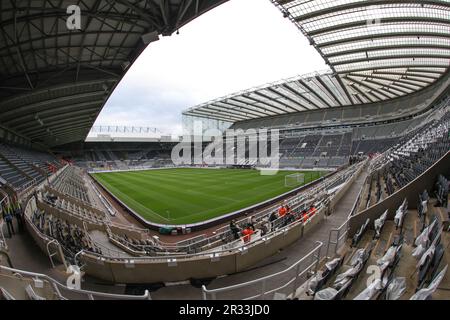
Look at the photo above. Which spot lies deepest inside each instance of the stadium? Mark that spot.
(332, 185)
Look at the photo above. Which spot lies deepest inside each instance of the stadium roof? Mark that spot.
(54, 81)
(377, 50)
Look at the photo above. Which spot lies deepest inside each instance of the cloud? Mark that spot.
(235, 46)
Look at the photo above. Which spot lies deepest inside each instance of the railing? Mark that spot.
(336, 238)
(26, 189)
(2, 235)
(209, 254)
(59, 288)
(296, 273)
(105, 201)
(58, 251)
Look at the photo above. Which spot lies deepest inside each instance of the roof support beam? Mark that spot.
(47, 116)
(402, 90)
(407, 78)
(13, 112)
(395, 66)
(399, 82)
(258, 111)
(288, 87)
(361, 5)
(84, 122)
(201, 114)
(406, 56)
(363, 24)
(276, 101)
(384, 35)
(212, 109)
(387, 47)
(246, 110)
(145, 13)
(267, 105)
(287, 98)
(422, 74)
(329, 91)
(379, 90)
(313, 92)
(363, 94)
(344, 87)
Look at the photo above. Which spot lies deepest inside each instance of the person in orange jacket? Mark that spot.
(247, 234)
(312, 211)
(282, 211)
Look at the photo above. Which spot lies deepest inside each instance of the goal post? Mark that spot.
(292, 180)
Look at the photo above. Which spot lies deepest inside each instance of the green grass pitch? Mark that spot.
(184, 196)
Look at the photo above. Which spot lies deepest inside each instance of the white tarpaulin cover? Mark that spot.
(362, 228)
(398, 219)
(380, 222)
(424, 236)
(396, 288)
(426, 292)
(357, 256)
(370, 291)
(326, 294)
(424, 206)
(418, 251)
(388, 256)
(332, 264)
(314, 281)
(319, 276)
(342, 278)
(429, 252)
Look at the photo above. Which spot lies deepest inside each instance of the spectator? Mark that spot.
(234, 229)
(265, 227)
(273, 216)
(18, 213)
(282, 211)
(7, 216)
(251, 223)
(305, 215)
(309, 214)
(289, 216)
(424, 206)
(312, 211)
(247, 233)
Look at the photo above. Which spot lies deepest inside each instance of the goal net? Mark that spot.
(293, 180)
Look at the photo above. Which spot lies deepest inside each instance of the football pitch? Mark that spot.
(185, 196)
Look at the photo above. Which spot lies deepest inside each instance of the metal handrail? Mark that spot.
(3, 199)
(50, 255)
(2, 235)
(90, 294)
(264, 279)
(204, 253)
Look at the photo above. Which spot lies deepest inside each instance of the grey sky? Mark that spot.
(235, 46)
